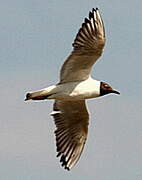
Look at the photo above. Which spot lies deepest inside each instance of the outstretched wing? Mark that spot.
(88, 46)
(71, 119)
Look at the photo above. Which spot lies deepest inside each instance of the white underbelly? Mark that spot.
(77, 90)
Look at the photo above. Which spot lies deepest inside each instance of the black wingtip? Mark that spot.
(58, 154)
(63, 161)
(90, 15)
(93, 9)
(87, 21)
(67, 168)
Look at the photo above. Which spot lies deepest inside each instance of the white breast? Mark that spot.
(89, 88)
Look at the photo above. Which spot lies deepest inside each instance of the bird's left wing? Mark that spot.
(71, 119)
(88, 46)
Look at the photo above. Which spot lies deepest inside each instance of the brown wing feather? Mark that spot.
(71, 119)
(88, 46)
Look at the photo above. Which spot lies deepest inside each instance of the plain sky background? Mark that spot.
(35, 39)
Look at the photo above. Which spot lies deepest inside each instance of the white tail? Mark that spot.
(41, 94)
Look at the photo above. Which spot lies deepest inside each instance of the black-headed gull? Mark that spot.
(76, 85)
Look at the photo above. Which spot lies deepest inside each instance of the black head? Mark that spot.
(106, 89)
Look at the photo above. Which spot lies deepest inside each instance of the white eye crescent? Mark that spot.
(106, 86)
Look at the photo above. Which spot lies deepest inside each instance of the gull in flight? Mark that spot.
(76, 84)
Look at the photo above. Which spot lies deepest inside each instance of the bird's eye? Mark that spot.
(106, 86)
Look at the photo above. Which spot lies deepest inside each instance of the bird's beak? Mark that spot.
(115, 92)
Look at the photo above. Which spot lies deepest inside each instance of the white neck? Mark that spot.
(95, 86)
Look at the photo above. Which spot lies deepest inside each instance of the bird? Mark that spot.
(70, 113)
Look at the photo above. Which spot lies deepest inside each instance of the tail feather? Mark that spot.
(28, 96)
(40, 97)
(41, 94)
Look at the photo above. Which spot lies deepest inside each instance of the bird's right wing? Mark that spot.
(88, 46)
(71, 119)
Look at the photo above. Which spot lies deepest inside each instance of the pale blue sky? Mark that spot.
(35, 39)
